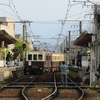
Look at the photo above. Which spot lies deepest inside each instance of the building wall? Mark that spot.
(4, 27)
(9, 27)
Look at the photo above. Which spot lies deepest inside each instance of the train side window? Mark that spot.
(53, 57)
(29, 56)
(40, 57)
(34, 57)
(48, 57)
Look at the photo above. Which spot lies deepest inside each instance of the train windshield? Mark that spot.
(29, 57)
(40, 57)
(34, 57)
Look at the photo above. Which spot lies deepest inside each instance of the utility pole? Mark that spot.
(96, 36)
(66, 49)
(69, 46)
(80, 30)
(61, 47)
(24, 31)
(24, 34)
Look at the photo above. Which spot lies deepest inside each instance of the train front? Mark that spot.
(34, 61)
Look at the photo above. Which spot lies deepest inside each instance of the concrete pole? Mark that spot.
(66, 49)
(69, 46)
(23, 32)
(80, 30)
(26, 32)
(24, 41)
(93, 79)
(63, 46)
(5, 58)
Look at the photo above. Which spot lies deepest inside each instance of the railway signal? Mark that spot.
(23, 46)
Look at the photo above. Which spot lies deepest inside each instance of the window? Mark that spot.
(46, 57)
(55, 58)
(29, 56)
(34, 57)
(40, 57)
(49, 57)
(58, 58)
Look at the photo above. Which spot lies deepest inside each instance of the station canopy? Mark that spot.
(83, 40)
(7, 38)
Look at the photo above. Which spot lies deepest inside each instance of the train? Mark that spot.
(38, 61)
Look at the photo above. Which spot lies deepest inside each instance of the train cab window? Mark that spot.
(29, 56)
(46, 57)
(40, 57)
(34, 57)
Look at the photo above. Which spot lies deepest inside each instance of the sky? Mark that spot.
(48, 17)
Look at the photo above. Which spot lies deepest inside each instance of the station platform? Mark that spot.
(15, 71)
(10, 72)
(77, 72)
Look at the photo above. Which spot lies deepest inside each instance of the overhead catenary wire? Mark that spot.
(9, 5)
(63, 23)
(16, 10)
(65, 20)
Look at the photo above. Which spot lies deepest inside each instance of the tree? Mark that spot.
(2, 53)
(18, 48)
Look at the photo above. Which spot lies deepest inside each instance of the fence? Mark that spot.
(3, 63)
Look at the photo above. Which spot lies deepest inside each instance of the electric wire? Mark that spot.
(63, 22)
(16, 12)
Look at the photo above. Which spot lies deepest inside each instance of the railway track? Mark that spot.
(71, 92)
(41, 87)
(14, 90)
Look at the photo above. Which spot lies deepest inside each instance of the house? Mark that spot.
(7, 35)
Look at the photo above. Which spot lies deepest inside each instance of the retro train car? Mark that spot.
(38, 61)
(57, 58)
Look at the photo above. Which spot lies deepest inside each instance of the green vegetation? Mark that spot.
(93, 88)
(2, 53)
(20, 74)
(15, 51)
(18, 49)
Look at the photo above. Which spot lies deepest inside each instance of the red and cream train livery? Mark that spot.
(43, 60)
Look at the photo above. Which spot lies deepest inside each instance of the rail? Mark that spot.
(24, 97)
(53, 93)
(13, 82)
(82, 92)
